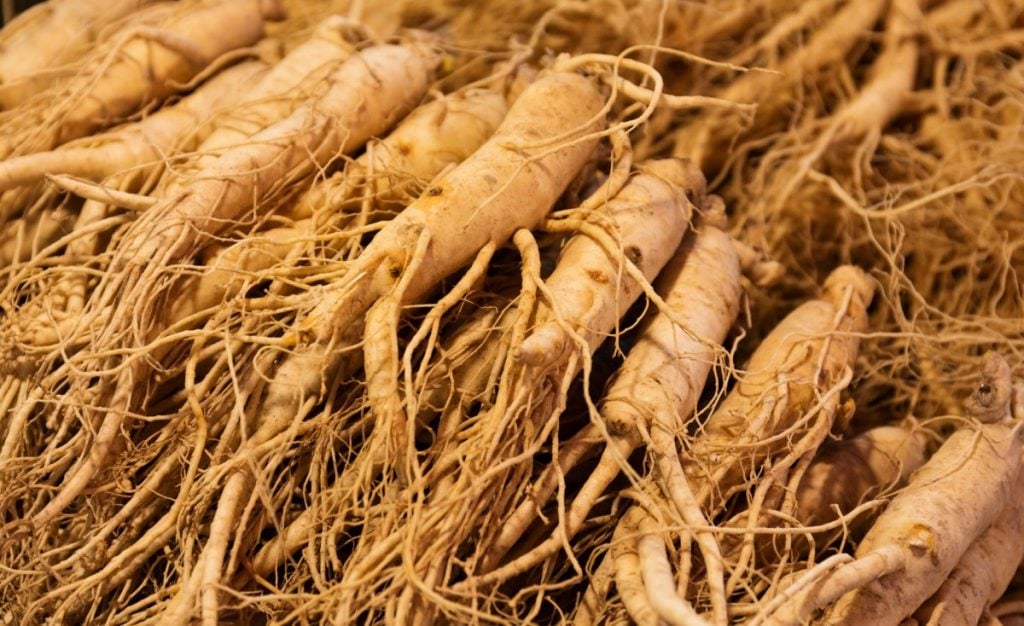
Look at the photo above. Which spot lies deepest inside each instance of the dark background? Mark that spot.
(21, 5)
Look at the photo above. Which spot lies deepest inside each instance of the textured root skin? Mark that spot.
(436, 135)
(804, 355)
(844, 475)
(236, 492)
(984, 571)
(339, 121)
(628, 577)
(672, 365)
(465, 210)
(853, 575)
(841, 477)
(49, 35)
(381, 358)
(439, 134)
(663, 374)
(657, 198)
(993, 398)
(948, 503)
(483, 198)
(300, 75)
(659, 583)
(915, 543)
(589, 293)
(592, 604)
(658, 377)
(421, 146)
(147, 66)
(137, 143)
(230, 269)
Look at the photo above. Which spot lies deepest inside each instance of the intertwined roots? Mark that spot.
(533, 315)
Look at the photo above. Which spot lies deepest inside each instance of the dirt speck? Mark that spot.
(633, 254)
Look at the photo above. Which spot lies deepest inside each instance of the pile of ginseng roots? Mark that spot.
(624, 311)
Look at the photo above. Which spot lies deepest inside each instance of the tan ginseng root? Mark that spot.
(552, 340)
(144, 63)
(394, 171)
(480, 374)
(525, 155)
(842, 477)
(51, 34)
(297, 78)
(782, 408)
(464, 214)
(266, 98)
(652, 397)
(787, 392)
(624, 557)
(686, 354)
(393, 76)
(584, 297)
(833, 494)
(984, 571)
(435, 136)
(275, 94)
(917, 541)
(845, 474)
(432, 138)
(643, 573)
(126, 148)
